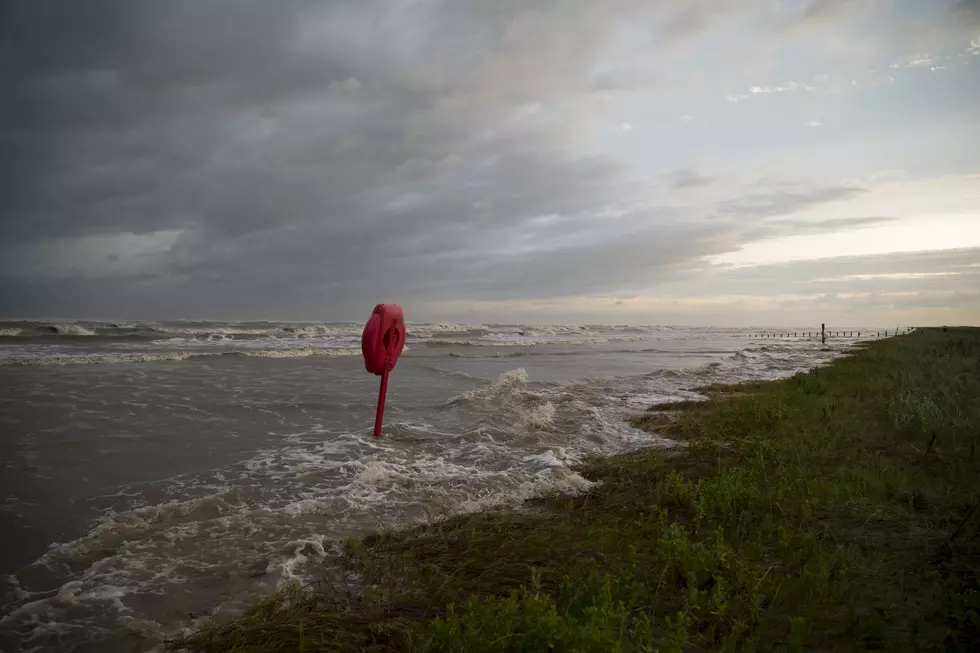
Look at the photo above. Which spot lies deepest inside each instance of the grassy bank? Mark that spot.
(835, 510)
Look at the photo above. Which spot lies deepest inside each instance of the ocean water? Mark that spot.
(159, 475)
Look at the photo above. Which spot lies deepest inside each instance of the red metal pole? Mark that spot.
(379, 416)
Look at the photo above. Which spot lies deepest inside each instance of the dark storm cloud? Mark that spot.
(295, 148)
(230, 157)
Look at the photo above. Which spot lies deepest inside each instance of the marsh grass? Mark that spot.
(835, 510)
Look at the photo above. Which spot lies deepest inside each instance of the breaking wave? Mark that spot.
(71, 330)
(300, 353)
(152, 357)
(426, 329)
(234, 330)
(519, 342)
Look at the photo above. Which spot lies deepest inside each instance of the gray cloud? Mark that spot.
(896, 28)
(906, 271)
(298, 147)
(799, 227)
(969, 9)
(785, 201)
(235, 157)
(688, 178)
(878, 291)
(818, 10)
(835, 224)
(819, 18)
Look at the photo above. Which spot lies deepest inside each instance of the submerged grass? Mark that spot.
(835, 510)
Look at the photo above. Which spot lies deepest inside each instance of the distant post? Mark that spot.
(823, 333)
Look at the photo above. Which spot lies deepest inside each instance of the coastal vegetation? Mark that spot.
(835, 510)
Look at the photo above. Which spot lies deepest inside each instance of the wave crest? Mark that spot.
(164, 356)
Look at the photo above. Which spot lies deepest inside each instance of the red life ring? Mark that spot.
(383, 338)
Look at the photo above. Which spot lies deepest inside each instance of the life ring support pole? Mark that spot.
(379, 416)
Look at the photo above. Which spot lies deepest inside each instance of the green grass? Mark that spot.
(836, 510)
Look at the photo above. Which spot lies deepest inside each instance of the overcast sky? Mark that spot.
(645, 161)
